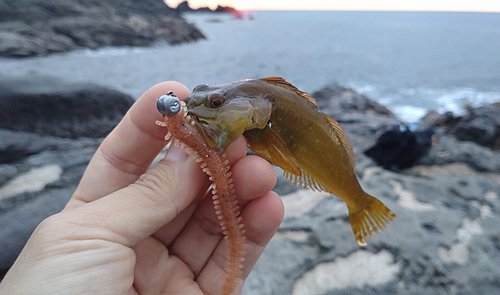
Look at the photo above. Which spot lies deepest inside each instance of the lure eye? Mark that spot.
(169, 104)
(216, 100)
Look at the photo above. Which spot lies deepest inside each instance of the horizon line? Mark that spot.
(370, 10)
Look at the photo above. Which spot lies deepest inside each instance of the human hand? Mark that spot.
(127, 230)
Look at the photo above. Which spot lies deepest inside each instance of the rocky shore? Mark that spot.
(184, 7)
(40, 27)
(444, 241)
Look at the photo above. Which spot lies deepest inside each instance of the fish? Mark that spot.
(283, 125)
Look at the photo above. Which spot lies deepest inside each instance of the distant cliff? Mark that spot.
(184, 7)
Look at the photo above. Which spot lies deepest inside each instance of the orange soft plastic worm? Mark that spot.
(214, 163)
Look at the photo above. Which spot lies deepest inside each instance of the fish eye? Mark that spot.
(200, 87)
(216, 100)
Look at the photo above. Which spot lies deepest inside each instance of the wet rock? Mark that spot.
(16, 145)
(361, 117)
(34, 27)
(337, 100)
(184, 7)
(51, 129)
(41, 186)
(448, 150)
(50, 106)
(443, 241)
(480, 125)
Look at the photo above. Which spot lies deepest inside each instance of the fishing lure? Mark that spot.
(214, 163)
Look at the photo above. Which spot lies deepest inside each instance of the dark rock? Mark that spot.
(21, 212)
(46, 105)
(46, 149)
(480, 125)
(7, 172)
(448, 150)
(338, 100)
(36, 27)
(95, 33)
(17, 145)
(446, 120)
(228, 9)
(361, 117)
(16, 45)
(17, 224)
(225, 9)
(184, 7)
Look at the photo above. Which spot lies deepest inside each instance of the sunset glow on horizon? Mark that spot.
(381, 5)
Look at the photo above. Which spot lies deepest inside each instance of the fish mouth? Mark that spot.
(200, 122)
(210, 130)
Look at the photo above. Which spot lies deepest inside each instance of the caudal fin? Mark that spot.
(369, 220)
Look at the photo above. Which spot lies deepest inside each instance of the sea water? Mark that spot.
(411, 62)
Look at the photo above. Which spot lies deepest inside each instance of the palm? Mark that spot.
(157, 271)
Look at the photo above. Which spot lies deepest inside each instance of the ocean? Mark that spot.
(411, 62)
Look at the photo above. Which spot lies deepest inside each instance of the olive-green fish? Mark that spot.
(283, 125)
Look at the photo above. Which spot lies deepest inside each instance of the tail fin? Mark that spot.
(369, 219)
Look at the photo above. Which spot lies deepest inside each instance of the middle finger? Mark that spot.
(169, 232)
(253, 177)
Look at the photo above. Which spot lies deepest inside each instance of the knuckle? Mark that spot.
(157, 183)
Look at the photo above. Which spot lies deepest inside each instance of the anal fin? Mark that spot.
(304, 181)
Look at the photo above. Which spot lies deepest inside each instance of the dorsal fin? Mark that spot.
(344, 140)
(283, 83)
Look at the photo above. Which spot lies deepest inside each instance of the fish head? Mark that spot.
(224, 112)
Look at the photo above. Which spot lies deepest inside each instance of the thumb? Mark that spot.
(157, 197)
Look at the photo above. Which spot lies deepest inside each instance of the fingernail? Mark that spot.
(175, 154)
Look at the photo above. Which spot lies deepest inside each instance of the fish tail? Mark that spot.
(369, 219)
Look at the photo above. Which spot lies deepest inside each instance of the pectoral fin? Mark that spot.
(267, 144)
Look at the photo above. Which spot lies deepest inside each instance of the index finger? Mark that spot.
(127, 152)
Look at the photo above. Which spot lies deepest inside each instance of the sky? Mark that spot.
(398, 5)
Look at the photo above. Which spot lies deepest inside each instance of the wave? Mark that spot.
(410, 104)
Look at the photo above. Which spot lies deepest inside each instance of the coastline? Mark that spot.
(412, 73)
(38, 28)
